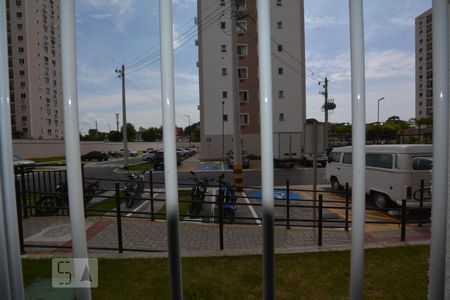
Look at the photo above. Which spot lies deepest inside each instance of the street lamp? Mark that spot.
(378, 119)
(189, 122)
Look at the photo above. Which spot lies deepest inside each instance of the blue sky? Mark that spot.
(115, 32)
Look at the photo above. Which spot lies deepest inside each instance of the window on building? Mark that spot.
(280, 25)
(242, 50)
(280, 47)
(24, 118)
(19, 3)
(281, 94)
(243, 96)
(22, 84)
(244, 119)
(222, 2)
(223, 48)
(223, 25)
(224, 71)
(21, 49)
(49, 131)
(23, 96)
(19, 15)
(281, 117)
(280, 71)
(224, 94)
(241, 26)
(19, 26)
(20, 38)
(278, 2)
(225, 118)
(243, 73)
(24, 129)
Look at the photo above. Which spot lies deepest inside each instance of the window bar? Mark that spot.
(440, 150)
(170, 159)
(9, 237)
(265, 83)
(359, 144)
(71, 136)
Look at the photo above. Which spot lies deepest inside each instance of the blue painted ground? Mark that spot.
(278, 194)
(209, 166)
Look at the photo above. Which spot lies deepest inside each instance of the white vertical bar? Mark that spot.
(11, 233)
(440, 150)
(170, 155)
(265, 84)
(72, 135)
(359, 148)
(4, 261)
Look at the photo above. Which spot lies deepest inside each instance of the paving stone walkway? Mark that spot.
(197, 239)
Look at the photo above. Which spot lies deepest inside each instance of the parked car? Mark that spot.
(245, 160)
(149, 155)
(393, 172)
(131, 153)
(308, 159)
(158, 160)
(95, 155)
(20, 162)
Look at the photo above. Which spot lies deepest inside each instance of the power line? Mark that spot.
(185, 37)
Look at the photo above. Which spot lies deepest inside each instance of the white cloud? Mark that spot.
(323, 21)
(118, 11)
(382, 64)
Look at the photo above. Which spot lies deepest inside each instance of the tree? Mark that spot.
(115, 136)
(423, 121)
(152, 134)
(131, 132)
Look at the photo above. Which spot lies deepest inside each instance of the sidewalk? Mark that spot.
(198, 239)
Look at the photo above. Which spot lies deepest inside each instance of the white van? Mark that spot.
(393, 172)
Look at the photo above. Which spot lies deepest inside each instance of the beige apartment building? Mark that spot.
(215, 58)
(34, 51)
(424, 64)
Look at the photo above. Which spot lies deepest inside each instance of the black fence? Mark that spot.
(42, 192)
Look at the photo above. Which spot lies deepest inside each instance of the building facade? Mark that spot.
(215, 65)
(424, 64)
(34, 51)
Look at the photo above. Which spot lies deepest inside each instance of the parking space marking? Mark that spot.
(140, 206)
(252, 210)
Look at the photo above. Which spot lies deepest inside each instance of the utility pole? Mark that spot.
(96, 130)
(117, 121)
(121, 74)
(237, 155)
(328, 105)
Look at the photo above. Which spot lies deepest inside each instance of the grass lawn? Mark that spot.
(185, 196)
(390, 273)
(106, 205)
(48, 159)
(140, 167)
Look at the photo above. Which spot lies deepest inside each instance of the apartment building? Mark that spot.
(215, 65)
(424, 64)
(34, 51)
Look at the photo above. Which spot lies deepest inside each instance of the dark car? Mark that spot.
(158, 160)
(95, 155)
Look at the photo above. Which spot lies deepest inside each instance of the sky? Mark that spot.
(115, 32)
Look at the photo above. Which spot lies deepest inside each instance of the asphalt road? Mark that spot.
(105, 172)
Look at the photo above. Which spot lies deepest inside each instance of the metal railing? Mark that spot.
(288, 209)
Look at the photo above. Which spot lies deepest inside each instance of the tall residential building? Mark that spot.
(34, 50)
(424, 64)
(215, 65)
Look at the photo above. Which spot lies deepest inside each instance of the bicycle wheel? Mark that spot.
(47, 205)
